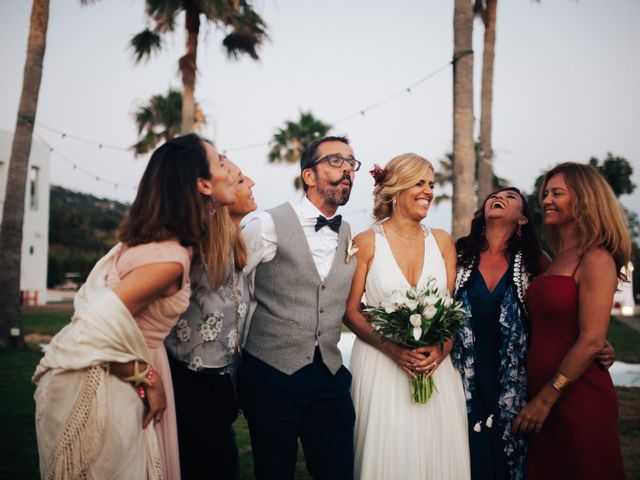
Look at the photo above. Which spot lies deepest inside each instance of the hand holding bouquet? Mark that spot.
(415, 318)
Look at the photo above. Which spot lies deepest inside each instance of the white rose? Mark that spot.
(416, 320)
(429, 312)
(447, 301)
(417, 333)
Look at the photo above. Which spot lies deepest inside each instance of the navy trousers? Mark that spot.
(311, 405)
(206, 408)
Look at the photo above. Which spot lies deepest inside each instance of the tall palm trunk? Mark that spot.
(13, 210)
(464, 198)
(188, 69)
(485, 166)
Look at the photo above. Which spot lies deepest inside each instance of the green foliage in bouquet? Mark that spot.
(415, 318)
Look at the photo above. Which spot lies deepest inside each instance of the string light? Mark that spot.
(80, 169)
(65, 135)
(359, 113)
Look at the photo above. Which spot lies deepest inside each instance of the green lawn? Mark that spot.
(44, 323)
(19, 456)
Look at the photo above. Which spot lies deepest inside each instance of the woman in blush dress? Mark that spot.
(572, 412)
(205, 344)
(394, 437)
(104, 402)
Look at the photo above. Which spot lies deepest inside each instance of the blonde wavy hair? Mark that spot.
(222, 238)
(403, 171)
(601, 221)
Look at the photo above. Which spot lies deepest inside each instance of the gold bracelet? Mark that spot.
(139, 377)
(560, 382)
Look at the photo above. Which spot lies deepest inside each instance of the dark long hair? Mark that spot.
(168, 204)
(470, 247)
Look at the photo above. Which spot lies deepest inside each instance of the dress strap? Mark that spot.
(377, 227)
(573, 274)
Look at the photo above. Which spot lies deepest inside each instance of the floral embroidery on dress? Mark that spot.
(209, 330)
(232, 339)
(183, 331)
(195, 364)
(242, 309)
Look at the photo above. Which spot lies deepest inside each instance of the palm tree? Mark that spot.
(444, 176)
(289, 141)
(159, 120)
(245, 29)
(486, 9)
(11, 330)
(464, 197)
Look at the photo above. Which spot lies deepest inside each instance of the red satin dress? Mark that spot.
(579, 438)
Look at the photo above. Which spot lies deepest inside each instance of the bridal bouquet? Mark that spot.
(415, 318)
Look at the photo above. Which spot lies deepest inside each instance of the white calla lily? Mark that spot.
(417, 333)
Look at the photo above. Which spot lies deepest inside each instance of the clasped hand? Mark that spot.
(418, 360)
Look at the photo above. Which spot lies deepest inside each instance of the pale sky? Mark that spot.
(567, 76)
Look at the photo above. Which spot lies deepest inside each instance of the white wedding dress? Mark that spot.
(395, 438)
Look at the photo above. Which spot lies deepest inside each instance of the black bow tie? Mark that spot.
(333, 224)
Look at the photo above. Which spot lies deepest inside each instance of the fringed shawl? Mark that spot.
(101, 331)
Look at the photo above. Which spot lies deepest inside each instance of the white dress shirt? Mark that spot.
(262, 242)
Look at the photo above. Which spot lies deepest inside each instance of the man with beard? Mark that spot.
(292, 382)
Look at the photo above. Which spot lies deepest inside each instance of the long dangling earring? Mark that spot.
(394, 201)
(211, 207)
(519, 232)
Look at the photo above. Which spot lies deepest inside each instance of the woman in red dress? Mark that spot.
(572, 413)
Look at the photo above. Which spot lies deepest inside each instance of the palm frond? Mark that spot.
(144, 44)
(160, 118)
(248, 33)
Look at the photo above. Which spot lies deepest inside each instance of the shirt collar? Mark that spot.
(309, 210)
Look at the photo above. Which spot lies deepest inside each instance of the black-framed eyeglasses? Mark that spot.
(337, 160)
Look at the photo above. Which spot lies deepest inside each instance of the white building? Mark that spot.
(35, 233)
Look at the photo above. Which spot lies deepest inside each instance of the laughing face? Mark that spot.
(504, 204)
(415, 201)
(557, 201)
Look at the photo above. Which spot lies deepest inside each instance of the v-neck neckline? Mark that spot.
(484, 282)
(397, 265)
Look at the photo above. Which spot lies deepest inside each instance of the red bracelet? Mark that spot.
(141, 389)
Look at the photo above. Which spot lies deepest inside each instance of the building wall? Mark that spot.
(35, 239)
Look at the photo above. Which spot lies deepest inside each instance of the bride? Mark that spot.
(395, 438)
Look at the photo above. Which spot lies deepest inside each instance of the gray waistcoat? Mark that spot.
(295, 308)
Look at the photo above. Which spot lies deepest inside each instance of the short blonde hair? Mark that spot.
(403, 172)
(601, 221)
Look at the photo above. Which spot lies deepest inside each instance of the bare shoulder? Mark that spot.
(443, 238)
(597, 261)
(365, 241)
